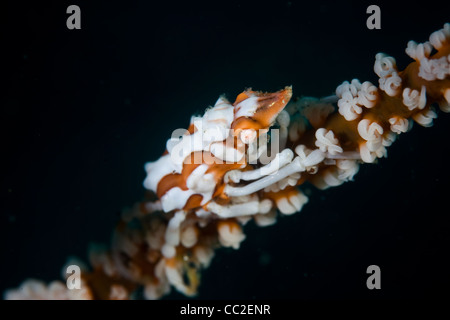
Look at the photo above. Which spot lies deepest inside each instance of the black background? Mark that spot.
(83, 110)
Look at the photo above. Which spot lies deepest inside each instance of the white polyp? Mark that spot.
(327, 142)
(168, 251)
(342, 88)
(368, 95)
(412, 99)
(264, 220)
(433, 69)
(188, 237)
(384, 65)
(392, 84)
(418, 51)
(172, 235)
(230, 236)
(347, 169)
(366, 155)
(422, 98)
(204, 255)
(308, 157)
(330, 177)
(292, 204)
(425, 118)
(344, 171)
(283, 119)
(294, 166)
(399, 124)
(441, 37)
(348, 106)
(389, 138)
(352, 88)
(316, 111)
(265, 206)
(369, 131)
(369, 152)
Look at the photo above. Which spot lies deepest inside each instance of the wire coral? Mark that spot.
(218, 174)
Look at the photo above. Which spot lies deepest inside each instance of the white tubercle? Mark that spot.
(412, 99)
(327, 142)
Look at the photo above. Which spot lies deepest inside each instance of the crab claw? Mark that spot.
(258, 110)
